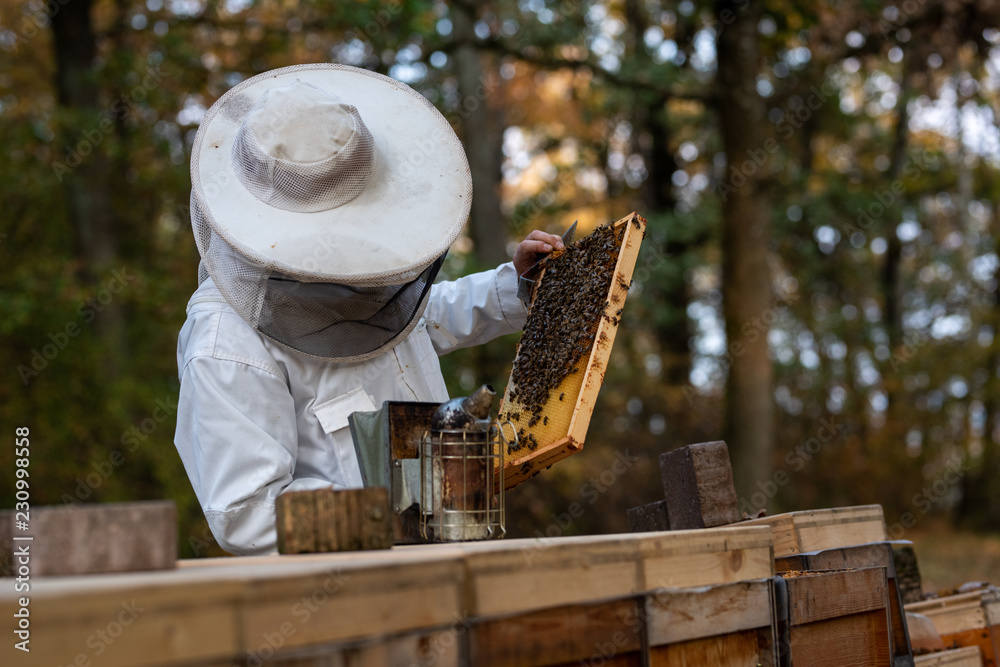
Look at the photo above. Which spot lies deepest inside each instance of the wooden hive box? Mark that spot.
(814, 530)
(408, 605)
(968, 656)
(727, 625)
(876, 554)
(558, 425)
(967, 619)
(838, 618)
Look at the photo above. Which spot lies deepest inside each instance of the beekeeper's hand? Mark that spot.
(534, 246)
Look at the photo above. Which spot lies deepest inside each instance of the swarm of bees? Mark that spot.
(569, 303)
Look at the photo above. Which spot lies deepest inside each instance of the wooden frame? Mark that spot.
(967, 619)
(839, 618)
(876, 554)
(815, 530)
(308, 609)
(563, 433)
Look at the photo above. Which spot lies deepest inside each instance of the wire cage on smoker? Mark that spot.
(462, 485)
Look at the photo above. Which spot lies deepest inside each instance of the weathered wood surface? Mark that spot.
(325, 520)
(564, 430)
(876, 554)
(682, 614)
(968, 619)
(814, 530)
(735, 650)
(839, 618)
(968, 656)
(224, 611)
(82, 539)
(698, 486)
(590, 633)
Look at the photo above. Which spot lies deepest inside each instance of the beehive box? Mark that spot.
(563, 354)
(815, 530)
(725, 624)
(875, 554)
(838, 618)
(968, 656)
(967, 619)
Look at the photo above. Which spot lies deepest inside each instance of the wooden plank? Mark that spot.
(698, 486)
(511, 576)
(987, 640)
(705, 557)
(733, 650)
(817, 596)
(681, 614)
(968, 656)
(858, 640)
(954, 613)
(587, 632)
(326, 520)
(97, 538)
(562, 429)
(232, 609)
(815, 530)
(876, 554)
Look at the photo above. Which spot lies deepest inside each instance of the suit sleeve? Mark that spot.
(236, 436)
(474, 309)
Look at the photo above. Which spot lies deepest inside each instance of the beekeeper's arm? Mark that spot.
(236, 431)
(479, 307)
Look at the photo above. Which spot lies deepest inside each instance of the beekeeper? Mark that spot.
(323, 201)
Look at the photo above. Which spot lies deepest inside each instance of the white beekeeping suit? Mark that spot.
(320, 236)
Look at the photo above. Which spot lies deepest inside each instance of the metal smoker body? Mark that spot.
(460, 461)
(442, 463)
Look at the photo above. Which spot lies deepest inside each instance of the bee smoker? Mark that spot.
(442, 463)
(460, 456)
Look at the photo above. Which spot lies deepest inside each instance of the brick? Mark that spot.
(698, 486)
(648, 518)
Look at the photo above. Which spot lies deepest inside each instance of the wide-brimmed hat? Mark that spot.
(331, 173)
(323, 199)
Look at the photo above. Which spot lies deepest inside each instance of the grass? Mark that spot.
(949, 557)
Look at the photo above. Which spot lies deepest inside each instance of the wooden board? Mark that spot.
(512, 576)
(589, 633)
(676, 615)
(735, 650)
(325, 520)
(967, 619)
(968, 656)
(228, 610)
(563, 429)
(876, 554)
(839, 618)
(814, 530)
(91, 538)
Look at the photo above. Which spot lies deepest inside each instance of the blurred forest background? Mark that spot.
(818, 286)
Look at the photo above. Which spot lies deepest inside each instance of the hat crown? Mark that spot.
(301, 123)
(303, 149)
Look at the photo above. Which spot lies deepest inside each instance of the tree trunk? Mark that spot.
(84, 171)
(746, 276)
(649, 118)
(482, 134)
(86, 184)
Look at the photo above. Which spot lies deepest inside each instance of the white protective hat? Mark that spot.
(323, 200)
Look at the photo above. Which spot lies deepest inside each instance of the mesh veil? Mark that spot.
(326, 320)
